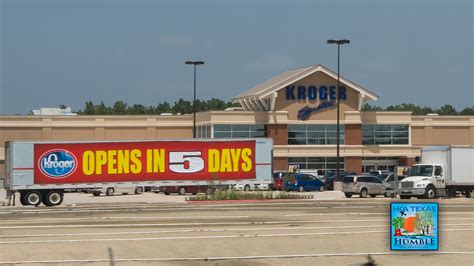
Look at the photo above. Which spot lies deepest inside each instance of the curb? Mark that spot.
(247, 201)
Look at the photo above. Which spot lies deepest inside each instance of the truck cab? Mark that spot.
(423, 181)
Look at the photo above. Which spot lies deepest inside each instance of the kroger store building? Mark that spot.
(296, 109)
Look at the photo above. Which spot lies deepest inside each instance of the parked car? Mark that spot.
(110, 191)
(363, 185)
(378, 172)
(328, 180)
(182, 190)
(249, 187)
(278, 180)
(302, 182)
(394, 181)
(383, 176)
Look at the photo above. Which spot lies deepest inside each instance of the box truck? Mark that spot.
(443, 171)
(40, 172)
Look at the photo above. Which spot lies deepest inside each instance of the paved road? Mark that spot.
(325, 232)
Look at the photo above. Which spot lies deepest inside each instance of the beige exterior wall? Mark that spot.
(317, 79)
(51, 128)
(443, 130)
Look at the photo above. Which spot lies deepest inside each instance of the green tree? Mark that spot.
(163, 107)
(137, 109)
(182, 107)
(447, 110)
(467, 111)
(119, 108)
(89, 109)
(102, 109)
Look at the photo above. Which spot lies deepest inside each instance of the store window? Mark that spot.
(203, 132)
(240, 131)
(319, 164)
(314, 134)
(384, 134)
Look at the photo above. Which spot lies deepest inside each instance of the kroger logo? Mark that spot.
(57, 163)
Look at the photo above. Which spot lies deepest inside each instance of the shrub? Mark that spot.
(241, 195)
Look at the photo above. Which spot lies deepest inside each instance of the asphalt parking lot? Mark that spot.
(155, 229)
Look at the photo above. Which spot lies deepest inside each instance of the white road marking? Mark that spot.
(202, 223)
(288, 256)
(36, 220)
(359, 213)
(232, 206)
(212, 230)
(198, 237)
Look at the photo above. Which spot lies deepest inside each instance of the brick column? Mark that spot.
(406, 161)
(279, 134)
(353, 134)
(353, 164)
(280, 163)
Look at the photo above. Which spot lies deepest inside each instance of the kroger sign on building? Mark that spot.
(312, 92)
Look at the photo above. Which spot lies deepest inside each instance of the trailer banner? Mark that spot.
(144, 161)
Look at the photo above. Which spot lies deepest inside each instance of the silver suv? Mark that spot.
(363, 185)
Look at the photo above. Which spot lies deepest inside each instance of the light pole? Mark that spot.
(195, 63)
(339, 43)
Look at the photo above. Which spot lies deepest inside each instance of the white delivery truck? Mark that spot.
(443, 171)
(41, 171)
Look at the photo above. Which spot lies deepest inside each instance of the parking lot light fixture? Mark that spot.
(339, 43)
(195, 63)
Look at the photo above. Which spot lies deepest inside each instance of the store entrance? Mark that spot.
(379, 163)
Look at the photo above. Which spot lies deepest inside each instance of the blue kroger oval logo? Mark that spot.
(58, 163)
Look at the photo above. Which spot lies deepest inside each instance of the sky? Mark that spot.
(70, 51)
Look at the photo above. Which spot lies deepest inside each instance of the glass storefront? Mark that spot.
(319, 164)
(315, 134)
(385, 134)
(240, 131)
(379, 163)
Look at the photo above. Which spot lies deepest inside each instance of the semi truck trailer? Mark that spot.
(444, 171)
(40, 172)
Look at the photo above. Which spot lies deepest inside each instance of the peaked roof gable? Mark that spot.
(279, 82)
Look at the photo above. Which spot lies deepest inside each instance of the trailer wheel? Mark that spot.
(110, 191)
(247, 188)
(430, 192)
(96, 193)
(33, 197)
(23, 199)
(182, 191)
(468, 194)
(138, 190)
(53, 198)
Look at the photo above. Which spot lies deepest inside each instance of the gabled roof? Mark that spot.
(268, 87)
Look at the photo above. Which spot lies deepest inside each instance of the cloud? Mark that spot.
(270, 63)
(185, 42)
